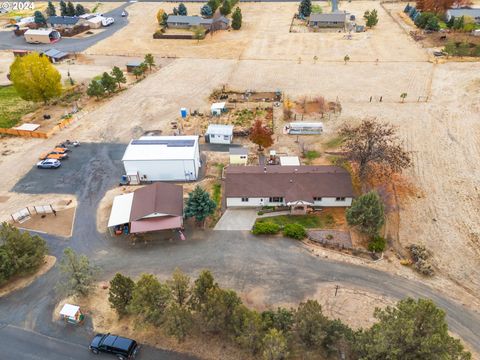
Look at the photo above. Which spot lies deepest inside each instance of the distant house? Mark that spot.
(187, 22)
(55, 55)
(219, 134)
(297, 187)
(162, 158)
(64, 21)
(152, 208)
(331, 20)
(133, 64)
(238, 156)
(457, 13)
(218, 108)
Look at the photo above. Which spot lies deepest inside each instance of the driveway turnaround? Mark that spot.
(9, 41)
(237, 219)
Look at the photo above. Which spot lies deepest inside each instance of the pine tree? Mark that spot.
(206, 11)
(63, 8)
(149, 60)
(39, 18)
(51, 9)
(275, 345)
(70, 9)
(79, 272)
(226, 7)
(367, 213)
(305, 8)
(108, 82)
(79, 10)
(118, 76)
(214, 4)
(237, 19)
(371, 18)
(182, 9)
(95, 88)
(120, 293)
(199, 205)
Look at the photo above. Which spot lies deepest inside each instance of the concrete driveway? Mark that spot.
(237, 219)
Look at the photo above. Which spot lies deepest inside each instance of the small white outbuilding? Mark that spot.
(219, 134)
(162, 158)
(218, 108)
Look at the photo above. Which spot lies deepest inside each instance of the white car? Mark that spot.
(108, 21)
(49, 164)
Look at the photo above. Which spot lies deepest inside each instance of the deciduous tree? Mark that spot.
(261, 135)
(199, 205)
(35, 78)
(149, 60)
(371, 18)
(150, 299)
(413, 329)
(237, 19)
(80, 274)
(198, 33)
(118, 75)
(403, 96)
(121, 293)
(373, 144)
(108, 82)
(366, 213)
(346, 59)
(160, 14)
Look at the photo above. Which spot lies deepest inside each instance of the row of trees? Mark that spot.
(66, 9)
(440, 6)
(20, 252)
(413, 329)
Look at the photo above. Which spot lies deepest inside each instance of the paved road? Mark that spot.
(281, 268)
(9, 41)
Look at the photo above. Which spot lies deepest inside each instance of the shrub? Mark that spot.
(265, 228)
(377, 244)
(420, 256)
(294, 231)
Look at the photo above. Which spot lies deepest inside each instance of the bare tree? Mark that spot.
(371, 145)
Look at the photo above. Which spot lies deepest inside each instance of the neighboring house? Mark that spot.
(219, 134)
(132, 65)
(152, 208)
(457, 13)
(238, 156)
(298, 187)
(187, 22)
(41, 36)
(64, 21)
(331, 20)
(55, 55)
(218, 108)
(162, 158)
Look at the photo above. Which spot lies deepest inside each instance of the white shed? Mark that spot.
(218, 108)
(41, 36)
(219, 134)
(163, 158)
(289, 161)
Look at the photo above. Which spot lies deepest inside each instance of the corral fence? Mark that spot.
(26, 213)
(158, 35)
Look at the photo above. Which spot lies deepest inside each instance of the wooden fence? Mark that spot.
(38, 134)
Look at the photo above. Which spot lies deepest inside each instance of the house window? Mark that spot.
(316, 198)
(226, 137)
(340, 199)
(245, 199)
(243, 156)
(276, 199)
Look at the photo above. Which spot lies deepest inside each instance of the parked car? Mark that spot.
(122, 348)
(108, 21)
(49, 164)
(61, 149)
(124, 13)
(54, 155)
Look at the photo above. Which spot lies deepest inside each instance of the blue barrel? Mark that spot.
(183, 112)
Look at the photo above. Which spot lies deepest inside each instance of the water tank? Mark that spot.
(183, 112)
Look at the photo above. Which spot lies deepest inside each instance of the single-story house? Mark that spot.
(154, 207)
(55, 55)
(218, 108)
(219, 134)
(289, 161)
(329, 20)
(162, 158)
(187, 22)
(474, 13)
(298, 187)
(41, 36)
(133, 64)
(64, 21)
(238, 155)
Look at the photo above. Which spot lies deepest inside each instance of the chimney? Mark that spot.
(334, 6)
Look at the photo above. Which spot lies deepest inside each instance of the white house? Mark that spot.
(162, 158)
(298, 187)
(217, 108)
(219, 134)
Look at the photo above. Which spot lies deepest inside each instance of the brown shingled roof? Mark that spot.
(290, 182)
(161, 198)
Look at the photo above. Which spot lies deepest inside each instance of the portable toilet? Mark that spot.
(183, 112)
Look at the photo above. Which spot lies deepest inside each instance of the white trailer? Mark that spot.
(163, 158)
(304, 128)
(41, 36)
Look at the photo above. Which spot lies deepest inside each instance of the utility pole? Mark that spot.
(336, 289)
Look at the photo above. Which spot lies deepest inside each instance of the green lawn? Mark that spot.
(308, 221)
(12, 107)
